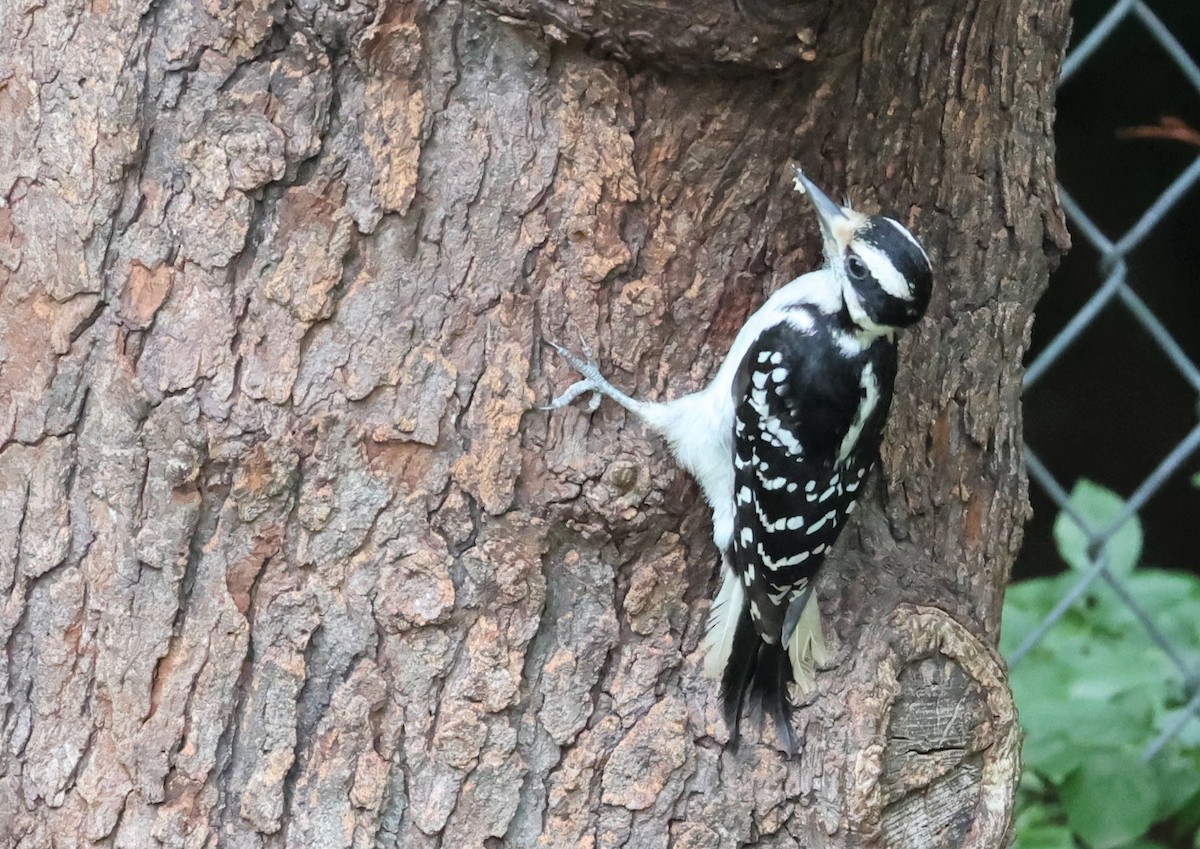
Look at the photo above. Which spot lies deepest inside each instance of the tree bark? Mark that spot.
(289, 559)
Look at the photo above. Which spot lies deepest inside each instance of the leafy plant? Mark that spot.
(1096, 692)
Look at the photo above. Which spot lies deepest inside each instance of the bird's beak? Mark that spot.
(836, 226)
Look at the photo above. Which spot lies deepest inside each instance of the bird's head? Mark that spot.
(884, 273)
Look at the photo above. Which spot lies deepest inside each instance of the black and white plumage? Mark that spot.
(781, 441)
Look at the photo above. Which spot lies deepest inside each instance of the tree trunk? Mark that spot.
(289, 559)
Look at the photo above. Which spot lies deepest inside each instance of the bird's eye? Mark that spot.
(856, 267)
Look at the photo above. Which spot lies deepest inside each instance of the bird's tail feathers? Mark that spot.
(769, 692)
(757, 674)
(806, 647)
(723, 619)
(739, 674)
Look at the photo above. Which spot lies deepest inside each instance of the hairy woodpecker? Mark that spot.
(781, 440)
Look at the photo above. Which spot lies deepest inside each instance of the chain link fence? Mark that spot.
(1116, 291)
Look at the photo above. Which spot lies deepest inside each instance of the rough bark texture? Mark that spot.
(288, 560)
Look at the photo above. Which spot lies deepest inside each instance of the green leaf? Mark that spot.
(1095, 690)
(1042, 826)
(1188, 820)
(1099, 507)
(1178, 782)
(1045, 837)
(1105, 670)
(1111, 799)
(1172, 599)
(1188, 735)
(1031, 787)
(1026, 605)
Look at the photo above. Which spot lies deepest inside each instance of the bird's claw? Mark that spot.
(584, 367)
(588, 369)
(574, 391)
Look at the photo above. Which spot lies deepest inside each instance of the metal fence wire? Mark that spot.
(1113, 274)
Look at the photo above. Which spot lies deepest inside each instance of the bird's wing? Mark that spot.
(791, 490)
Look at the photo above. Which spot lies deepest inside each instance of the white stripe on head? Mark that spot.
(885, 273)
(909, 236)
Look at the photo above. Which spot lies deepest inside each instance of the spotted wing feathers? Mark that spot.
(807, 424)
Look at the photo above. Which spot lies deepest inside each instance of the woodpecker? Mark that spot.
(781, 442)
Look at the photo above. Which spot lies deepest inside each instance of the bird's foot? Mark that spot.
(592, 381)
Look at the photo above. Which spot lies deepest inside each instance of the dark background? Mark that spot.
(1114, 406)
